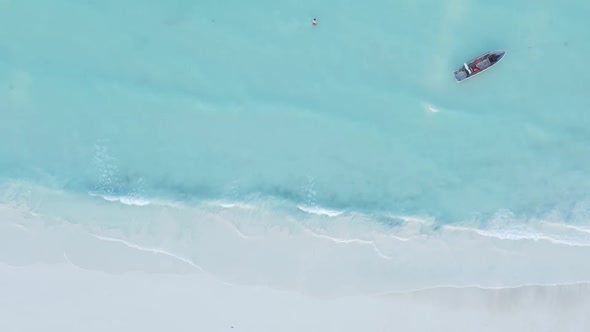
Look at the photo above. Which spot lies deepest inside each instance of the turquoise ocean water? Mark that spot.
(153, 120)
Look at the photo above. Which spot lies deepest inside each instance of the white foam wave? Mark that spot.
(521, 234)
(153, 250)
(319, 211)
(431, 108)
(68, 260)
(231, 205)
(399, 238)
(134, 201)
(477, 287)
(413, 219)
(350, 241)
(233, 227)
(570, 227)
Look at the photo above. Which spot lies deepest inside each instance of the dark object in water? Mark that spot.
(478, 65)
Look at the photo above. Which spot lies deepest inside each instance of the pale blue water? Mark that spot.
(192, 102)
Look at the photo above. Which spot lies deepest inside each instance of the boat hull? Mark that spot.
(478, 65)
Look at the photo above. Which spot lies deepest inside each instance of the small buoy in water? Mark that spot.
(314, 22)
